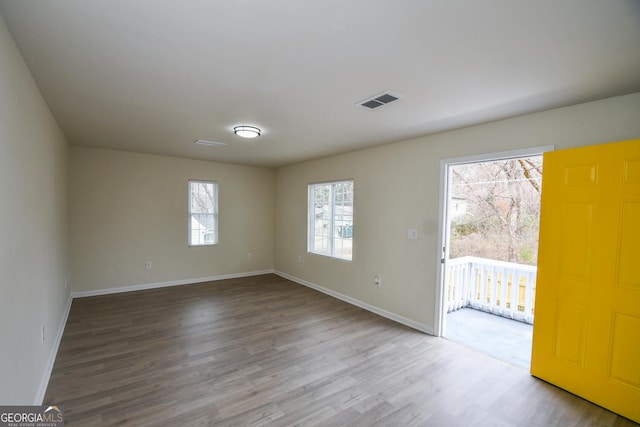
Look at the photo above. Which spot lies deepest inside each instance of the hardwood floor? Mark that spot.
(265, 351)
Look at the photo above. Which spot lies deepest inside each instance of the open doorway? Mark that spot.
(490, 221)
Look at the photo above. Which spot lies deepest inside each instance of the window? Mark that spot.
(203, 213)
(331, 219)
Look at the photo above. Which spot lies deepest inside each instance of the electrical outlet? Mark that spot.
(148, 265)
(412, 234)
(377, 281)
(42, 333)
(300, 259)
(249, 256)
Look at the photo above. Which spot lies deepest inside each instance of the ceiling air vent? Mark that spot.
(210, 143)
(378, 100)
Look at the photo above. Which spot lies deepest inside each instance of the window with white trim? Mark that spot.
(203, 213)
(330, 218)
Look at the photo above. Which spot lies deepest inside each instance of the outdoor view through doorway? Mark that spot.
(493, 215)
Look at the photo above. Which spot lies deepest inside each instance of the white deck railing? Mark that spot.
(498, 287)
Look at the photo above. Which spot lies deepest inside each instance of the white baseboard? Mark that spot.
(44, 383)
(145, 286)
(379, 311)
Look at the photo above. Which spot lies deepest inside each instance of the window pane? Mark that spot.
(320, 242)
(203, 228)
(202, 197)
(331, 219)
(343, 220)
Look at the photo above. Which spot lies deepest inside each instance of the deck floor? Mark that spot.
(499, 337)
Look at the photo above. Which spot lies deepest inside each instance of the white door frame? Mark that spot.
(444, 219)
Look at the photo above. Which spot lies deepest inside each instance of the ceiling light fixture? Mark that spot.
(247, 131)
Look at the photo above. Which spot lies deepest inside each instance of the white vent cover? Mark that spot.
(379, 100)
(210, 143)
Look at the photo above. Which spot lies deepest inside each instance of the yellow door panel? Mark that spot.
(624, 364)
(586, 335)
(632, 171)
(629, 251)
(577, 232)
(571, 332)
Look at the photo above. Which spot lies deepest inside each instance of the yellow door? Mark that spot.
(586, 336)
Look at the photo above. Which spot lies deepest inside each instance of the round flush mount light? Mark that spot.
(247, 131)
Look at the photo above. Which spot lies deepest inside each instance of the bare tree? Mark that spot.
(503, 205)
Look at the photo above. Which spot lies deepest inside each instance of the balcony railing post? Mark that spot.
(456, 287)
(486, 288)
(464, 294)
(504, 292)
(473, 284)
(493, 288)
(529, 297)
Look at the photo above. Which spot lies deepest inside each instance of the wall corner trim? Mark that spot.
(376, 310)
(46, 375)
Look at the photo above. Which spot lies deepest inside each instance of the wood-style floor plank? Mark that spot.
(265, 351)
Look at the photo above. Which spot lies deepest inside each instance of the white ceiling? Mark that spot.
(153, 76)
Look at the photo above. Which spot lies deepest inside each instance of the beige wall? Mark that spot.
(397, 187)
(126, 209)
(33, 244)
